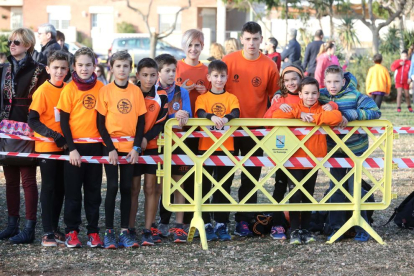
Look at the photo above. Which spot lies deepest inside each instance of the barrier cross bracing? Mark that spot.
(267, 143)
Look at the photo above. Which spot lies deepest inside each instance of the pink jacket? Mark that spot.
(323, 62)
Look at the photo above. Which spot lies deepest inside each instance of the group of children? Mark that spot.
(86, 108)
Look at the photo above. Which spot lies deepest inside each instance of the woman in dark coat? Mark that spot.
(21, 79)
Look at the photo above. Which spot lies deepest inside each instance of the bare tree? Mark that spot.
(394, 8)
(154, 35)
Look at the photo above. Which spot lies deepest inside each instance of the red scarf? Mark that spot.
(84, 85)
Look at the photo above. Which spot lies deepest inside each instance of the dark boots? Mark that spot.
(12, 228)
(27, 235)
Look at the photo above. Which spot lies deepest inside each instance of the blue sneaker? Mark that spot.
(222, 232)
(126, 240)
(242, 229)
(146, 239)
(211, 236)
(362, 237)
(278, 233)
(110, 239)
(333, 233)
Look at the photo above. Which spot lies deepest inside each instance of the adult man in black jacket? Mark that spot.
(291, 53)
(47, 36)
(311, 52)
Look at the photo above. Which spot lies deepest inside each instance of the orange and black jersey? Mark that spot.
(156, 116)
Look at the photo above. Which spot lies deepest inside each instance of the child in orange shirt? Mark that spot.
(309, 110)
(219, 106)
(78, 120)
(156, 102)
(44, 119)
(121, 112)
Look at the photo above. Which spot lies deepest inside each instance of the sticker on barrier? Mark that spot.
(279, 143)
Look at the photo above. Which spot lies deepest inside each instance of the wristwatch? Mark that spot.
(137, 149)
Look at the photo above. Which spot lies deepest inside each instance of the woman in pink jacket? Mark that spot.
(326, 58)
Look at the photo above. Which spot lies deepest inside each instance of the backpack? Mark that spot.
(404, 214)
(261, 224)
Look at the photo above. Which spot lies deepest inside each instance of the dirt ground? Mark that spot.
(252, 256)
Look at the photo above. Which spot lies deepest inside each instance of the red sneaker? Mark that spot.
(72, 240)
(94, 240)
(156, 235)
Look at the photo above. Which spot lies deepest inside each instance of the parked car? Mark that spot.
(139, 48)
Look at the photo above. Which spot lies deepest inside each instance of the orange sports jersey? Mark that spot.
(121, 107)
(253, 82)
(195, 74)
(44, 102)
(81, 107)
(157, 112)
(219, 105)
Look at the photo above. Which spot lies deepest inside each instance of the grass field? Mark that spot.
(253, 256)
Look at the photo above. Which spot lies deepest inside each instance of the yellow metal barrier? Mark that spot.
(279, 127)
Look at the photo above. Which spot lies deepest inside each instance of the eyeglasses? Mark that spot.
(15, 42)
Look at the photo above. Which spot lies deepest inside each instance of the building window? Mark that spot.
(16, 18)
(59, 16)
(167, 18)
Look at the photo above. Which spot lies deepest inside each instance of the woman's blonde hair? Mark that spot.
(326, 46)
(231, 45)
(26, 37)
(189, 36)
(217, 50)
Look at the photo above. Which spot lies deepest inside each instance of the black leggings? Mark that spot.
(52, 193)
(301, 219)
(126, 175)
(281, 183)
(378, 99)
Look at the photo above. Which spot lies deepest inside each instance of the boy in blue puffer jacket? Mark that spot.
(341, 88)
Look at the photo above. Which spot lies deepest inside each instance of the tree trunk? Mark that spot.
(401, 30)
(153, 44)
(320, 22)
(286, 18)
(331, 15)
(375, 40)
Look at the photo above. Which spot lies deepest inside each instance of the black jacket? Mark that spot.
(51, 46)
(25, 81)
(292, 52)
(311, 52)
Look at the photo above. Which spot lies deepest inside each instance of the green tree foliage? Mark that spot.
(390, 42)
(125, 27)
(347, 34)
(3, 45)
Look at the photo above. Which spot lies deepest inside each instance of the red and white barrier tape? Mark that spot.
(237, 133)
(254, 161)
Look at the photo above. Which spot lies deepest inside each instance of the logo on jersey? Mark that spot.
(89, 101)
(151, 107)
(236, 78)
(176, 106)
(124, 106)
(200, 82)
(218, 109)
(256, 81)
(179, 80)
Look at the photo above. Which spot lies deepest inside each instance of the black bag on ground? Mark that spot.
(261, 225)
(404, 214)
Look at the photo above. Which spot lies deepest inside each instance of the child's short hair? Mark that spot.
(309, 81)
(165, 60)
(334, 69)
(218, 66)
(189, 36)
(121, 55)
(377, 58)
(274, 42)
(146, 63)
(252, 28)
(57, 55)
(291, 68)
(404, 51)
(84, 51)
(60, 36)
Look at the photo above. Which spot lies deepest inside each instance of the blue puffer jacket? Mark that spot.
(354, 106)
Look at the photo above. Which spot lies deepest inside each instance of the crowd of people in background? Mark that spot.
(66, 97)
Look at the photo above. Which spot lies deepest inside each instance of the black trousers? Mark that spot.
(301, 219)
(378, 99)
(52, 192)
(125, 182)
(281, 184)
(88, 176)
(218, 196)
(242, 145)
